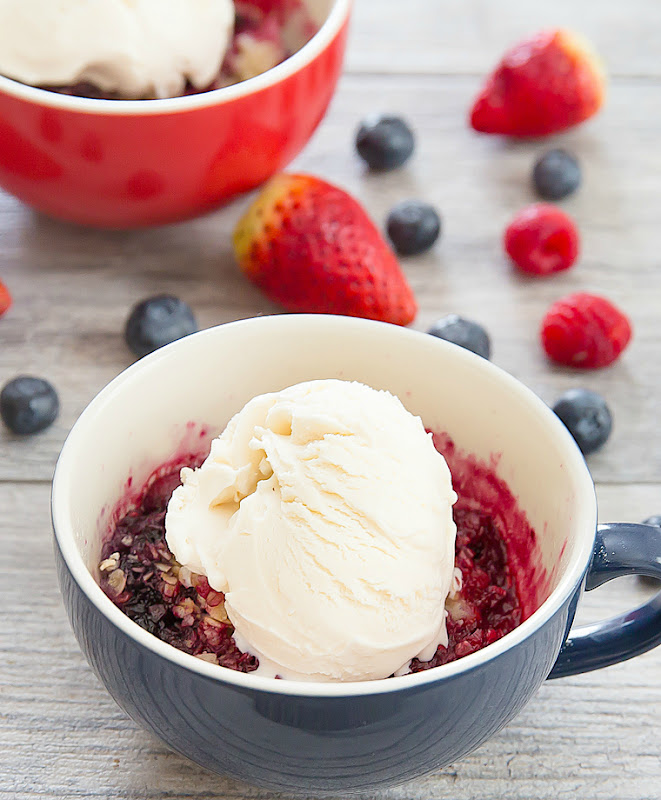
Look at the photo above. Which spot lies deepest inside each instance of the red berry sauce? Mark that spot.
(496, 551)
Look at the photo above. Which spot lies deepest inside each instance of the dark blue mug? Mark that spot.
(332, 737)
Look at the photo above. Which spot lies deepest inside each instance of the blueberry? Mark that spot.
(463, 332)
(556, 174)
(587, 418)
(413, 227)
(384, 141)
(28, 404)
(158, 321)
(655, 520)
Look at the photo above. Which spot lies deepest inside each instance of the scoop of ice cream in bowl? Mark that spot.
(323, 554)
(126, 114)
(324, 515)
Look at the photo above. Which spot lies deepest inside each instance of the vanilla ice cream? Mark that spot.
(137, 48)
(324, 513)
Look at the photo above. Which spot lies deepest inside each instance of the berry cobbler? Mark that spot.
(148, 48)
(326, 536)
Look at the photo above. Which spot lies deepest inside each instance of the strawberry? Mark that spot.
(543, 85)
(311, 247)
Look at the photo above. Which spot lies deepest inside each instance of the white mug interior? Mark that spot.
(140, 421)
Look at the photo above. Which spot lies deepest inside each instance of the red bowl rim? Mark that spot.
(328, 31)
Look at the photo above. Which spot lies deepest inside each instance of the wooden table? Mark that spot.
(594, 736)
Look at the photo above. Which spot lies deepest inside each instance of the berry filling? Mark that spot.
(142, 577)
(487, 607)
(495, 550)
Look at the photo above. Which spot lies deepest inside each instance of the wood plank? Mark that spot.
(73, 288)
(628, 502)
(457, 36)
(61, 735)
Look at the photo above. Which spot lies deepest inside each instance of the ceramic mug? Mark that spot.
(331, 737)
(129, 163)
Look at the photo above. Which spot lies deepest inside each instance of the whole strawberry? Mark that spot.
(585, 330)
(311, 247)
(545, 84)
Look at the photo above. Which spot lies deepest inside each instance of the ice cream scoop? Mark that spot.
(324, 513)
(136, 48)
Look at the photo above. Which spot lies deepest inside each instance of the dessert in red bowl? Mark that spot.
(261, 35)
(122, 163)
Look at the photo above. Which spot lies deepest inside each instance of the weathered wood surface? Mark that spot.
(468, 36)
(73, 287)
(597, 736)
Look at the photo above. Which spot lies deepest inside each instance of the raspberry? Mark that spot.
(584, 330)
(5, 298)
(542, 239)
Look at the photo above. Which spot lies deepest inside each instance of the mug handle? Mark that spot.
(620, 549)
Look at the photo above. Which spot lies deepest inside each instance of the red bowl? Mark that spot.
(130, 163)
